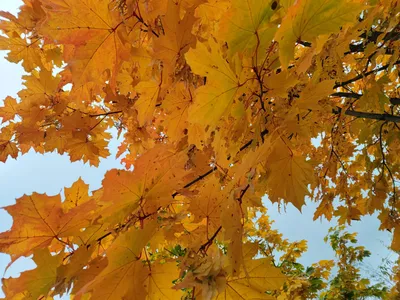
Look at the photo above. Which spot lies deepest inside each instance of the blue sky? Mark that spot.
(51, 172)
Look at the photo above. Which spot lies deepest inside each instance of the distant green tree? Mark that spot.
(348, 282)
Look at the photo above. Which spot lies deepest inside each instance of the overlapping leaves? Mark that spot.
(216, 103)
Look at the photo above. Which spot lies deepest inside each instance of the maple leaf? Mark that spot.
(87, 147)
(231, 219)
(177, 37)
(346, 215)
(279, 84)
(40, 87)
(8, 147)
(214, 99)
(38, 221)
(91, 33)
(176, 105)
(156, 176)
(396, 241)
(35, 283)
(21, 49)
(123, 265)
(76, 266)
(307, 19)
(324, 209)
(291, 175)
(246, 27)
(76, 195)
(9, 110)
(310, 96)
(149, 92)
(208, 205)
(253, 282)
(159, 282)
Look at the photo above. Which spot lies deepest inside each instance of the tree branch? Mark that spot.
(362, 75)
(393, 101)
(140, 19)
(242, 192)
(346, 95)
(373, 116)
(385, 165)
(367, 115)
(372, 38)
(390, 36)
(200, 177)
(207, 244)
(106, 114)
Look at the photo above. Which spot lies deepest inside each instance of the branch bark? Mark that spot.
(363, 75)
(372, 38)
(200, 177)
(393, 101)
(371, 116)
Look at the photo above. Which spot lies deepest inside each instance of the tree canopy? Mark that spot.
(218, 103)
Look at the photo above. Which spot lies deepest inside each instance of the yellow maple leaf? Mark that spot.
(36, 283)
(289, 175)
(176, 105)
(216, 104)
(307, 19)
(123, 275)
(159, 282)
(325, 208)
(76, 195)
(87, 148)
(38, 221)
(177, 37)
(347, 214)
(157, 175)
(213, 100)
(21, 49)
(40, 87)
(231, 220)
(91, 34)
(149, 92)
(256, 277)
(312, 93)
(208, 205)
(246, 28)
(9, 110)
(8, 146)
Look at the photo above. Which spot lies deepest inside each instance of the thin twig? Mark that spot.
(384, 163)
(105, 114)
(363, 75)
(207, 244)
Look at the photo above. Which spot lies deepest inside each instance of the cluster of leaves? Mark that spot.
(317, 280)
(219, 103)
(348, 284)
(301, 283)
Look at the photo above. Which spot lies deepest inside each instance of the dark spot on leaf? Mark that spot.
(274, 5)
